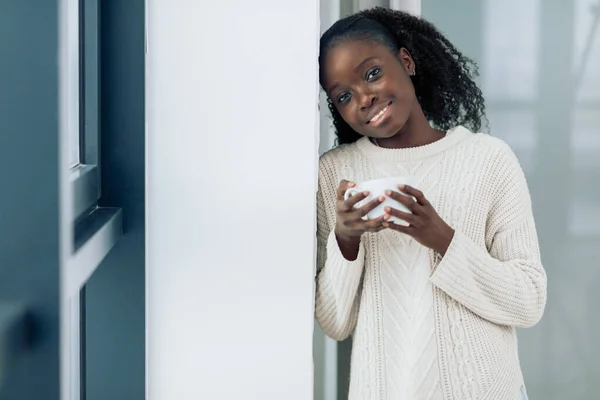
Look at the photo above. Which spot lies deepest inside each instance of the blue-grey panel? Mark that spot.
(29, 196)
(115, 304)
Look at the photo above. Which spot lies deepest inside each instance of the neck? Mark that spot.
(415, 132)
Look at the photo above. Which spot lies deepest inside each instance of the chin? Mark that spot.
(396, 130)
(393, 132)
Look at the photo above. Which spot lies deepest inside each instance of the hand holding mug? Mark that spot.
(424, 223)
(350, 222)
(378, 188)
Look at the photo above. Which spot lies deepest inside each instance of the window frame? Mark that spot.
(85, 176)
(95, 229)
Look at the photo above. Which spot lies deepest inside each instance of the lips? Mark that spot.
(377, 114)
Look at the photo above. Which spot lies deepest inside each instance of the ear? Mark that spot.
(407, 60)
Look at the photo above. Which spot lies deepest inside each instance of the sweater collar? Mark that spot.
(453, 137)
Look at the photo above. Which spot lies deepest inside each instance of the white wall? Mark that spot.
(232, 128)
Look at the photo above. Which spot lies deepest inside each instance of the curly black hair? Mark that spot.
(445, 81)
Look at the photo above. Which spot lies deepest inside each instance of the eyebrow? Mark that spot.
(363, 62)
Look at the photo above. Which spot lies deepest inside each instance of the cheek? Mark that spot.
(404, 91)
(405, 97)
(348, 114)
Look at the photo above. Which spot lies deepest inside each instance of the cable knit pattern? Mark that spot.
(427, 327)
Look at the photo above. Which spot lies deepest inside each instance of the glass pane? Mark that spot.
(90, 93)
(509, 63)
(85, 49)
(585, 145)
(73, 94)
(586, 57)
(73, 148)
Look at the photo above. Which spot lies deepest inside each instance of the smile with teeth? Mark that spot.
(379, 114)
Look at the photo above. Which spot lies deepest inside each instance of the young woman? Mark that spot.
(432, 307)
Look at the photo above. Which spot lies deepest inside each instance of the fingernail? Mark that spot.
(351, 184)
(366, 193)
(401, 187)
(382, 199)
(388, 192)
(386, 224)
(387, 216)
(387, 209)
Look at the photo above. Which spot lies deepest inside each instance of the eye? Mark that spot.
(373, 73)
(343, 97)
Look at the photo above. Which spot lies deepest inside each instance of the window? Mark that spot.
(510, 61)
(586, 55)
(95, 229)
(509, 72)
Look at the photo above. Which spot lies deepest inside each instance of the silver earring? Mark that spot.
(413, 73)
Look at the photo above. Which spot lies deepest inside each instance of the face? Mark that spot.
(370, 86)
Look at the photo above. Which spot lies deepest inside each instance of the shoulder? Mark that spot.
(333, 162)
(337, 154)
(504, 175)
(493, 160)
(491, 145)
(493, 153)
(500, 156)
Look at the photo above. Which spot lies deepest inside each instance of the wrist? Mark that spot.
(348, 245)
(445, 241)
(346, 239)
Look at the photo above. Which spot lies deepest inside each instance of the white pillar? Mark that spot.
(231, 167)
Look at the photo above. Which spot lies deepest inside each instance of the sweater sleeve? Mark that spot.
(504, 283)
(338, 280)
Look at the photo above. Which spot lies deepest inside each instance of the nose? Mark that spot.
(367, 100)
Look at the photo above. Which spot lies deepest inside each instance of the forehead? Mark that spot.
(344, 59)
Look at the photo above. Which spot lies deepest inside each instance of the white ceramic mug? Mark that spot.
(377, 188)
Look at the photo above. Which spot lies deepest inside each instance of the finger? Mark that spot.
(374, 225)
(417, 194)
(404, 216)
(407, 230)
(352, 200)
(342, 187)
(370, 206)
(408, 201)
(375, 230)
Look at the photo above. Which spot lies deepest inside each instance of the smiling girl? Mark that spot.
(432, 307)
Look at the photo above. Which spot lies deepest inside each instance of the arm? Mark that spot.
(507, 284)
(338, 279)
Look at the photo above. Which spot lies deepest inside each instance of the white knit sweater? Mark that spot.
(423, 326)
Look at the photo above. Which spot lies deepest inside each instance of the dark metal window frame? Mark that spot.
(95, 229)
(85, 177)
